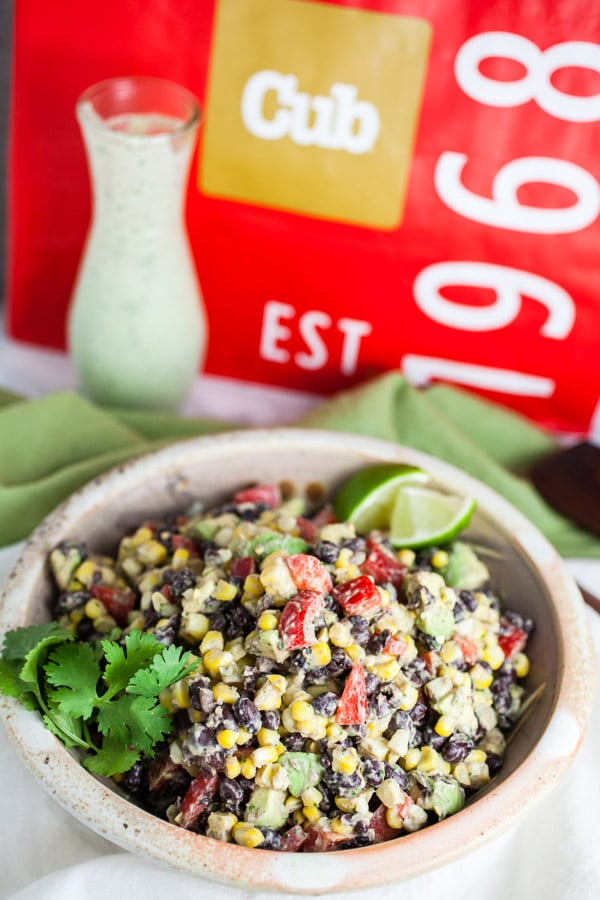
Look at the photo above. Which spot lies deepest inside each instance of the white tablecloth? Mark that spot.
(47, 855)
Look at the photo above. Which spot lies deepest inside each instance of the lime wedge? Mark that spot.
(367, 498)
(422, 516)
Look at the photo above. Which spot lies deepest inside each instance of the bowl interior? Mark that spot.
(525, 570)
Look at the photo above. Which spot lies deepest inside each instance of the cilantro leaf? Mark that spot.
(74, 671)
(140, 649)
(135, 721)
(12, 684)
(166, 667)
(68, 728)
(112, 759)
(19, 642)
(35, 658)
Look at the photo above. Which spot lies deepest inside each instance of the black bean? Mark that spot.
(271, 719)
(372, 683)
(340, 662)
(232, 796)
(359, 628)
(272, 839)
(326, 704)
(457, 747)
(247, 714)
(494, 762)
(468, 600)
(432, 738)
(239, 621)
(356, 544)
(135, 781)
(294, 742)
(419, 711)
(167, 633)
(377, 642)
(398, 774)
(218, 622)
(71, 600)
(327, 551)
(250, 676)
(373, 771)
(182, 580)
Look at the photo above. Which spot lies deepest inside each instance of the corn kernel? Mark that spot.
(321, 653)
(410, 695)
(292, 804)
(75, 616)
(440, 559)
(393, 817)
(481, 677)
(429, 760)
(267, 621)
(233, 767)
(247, 835)
(407, 557)
(221, 825)
(355, 652)
(85, 572)
(263, 755)
(335, 733)
(340, 635)
(493, 655)
(212, 640)
(301, 711)
(344, 557)
(94, 608)
(180, 695)
(195, 625)
(450, 652)
(104, 624)
(388, 671)
(253, 585)
(267, 737)
(344, 760)
(248, 768)
(224, 591)
(445, 726)
(227, 738)
(412, 759)
(476, 756)
(215, 660)
(521, 664)
(340, 827)
(298, 817)
(152, 552)
(311, 814)
(225, 693)
(346, 804)
(180, 558)
(278, 681)
(311, 796)
(142, 535)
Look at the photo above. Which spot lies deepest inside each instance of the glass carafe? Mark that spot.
(137, 327)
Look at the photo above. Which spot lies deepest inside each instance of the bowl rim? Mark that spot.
(96, 805)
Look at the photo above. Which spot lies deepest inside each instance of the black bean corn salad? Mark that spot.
(344, 693)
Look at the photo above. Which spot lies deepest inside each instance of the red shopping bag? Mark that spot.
(379, 184)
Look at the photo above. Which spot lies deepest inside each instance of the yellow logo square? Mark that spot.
(313, 108)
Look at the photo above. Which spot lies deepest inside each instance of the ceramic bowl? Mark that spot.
(526, 569)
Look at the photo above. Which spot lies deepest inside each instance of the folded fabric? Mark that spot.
(52, 445)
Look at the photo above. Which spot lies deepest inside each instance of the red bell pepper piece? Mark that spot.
(181, 542)
(161, 771)
(511, 639)
(308, 573)
(308, 530)
(382, 566)
(319, 840)
(468, 648)
(293, 839)
(378, 824)
(297, 621)
(357, 596)
(353, 707)
(269, 494)
(118, 602)
(197, 799)
(395, 646)
(242, 566)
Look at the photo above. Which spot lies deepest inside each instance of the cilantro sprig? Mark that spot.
(101, 697)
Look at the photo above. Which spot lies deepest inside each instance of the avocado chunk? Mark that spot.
(304, 770)
(443, 794)
(266, 808)
(267, 643)
(436, 619)
(464, 569)
(268, 542)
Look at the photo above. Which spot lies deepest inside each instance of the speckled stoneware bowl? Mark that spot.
(529, 572)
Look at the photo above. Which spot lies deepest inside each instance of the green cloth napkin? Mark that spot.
(52, 445)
